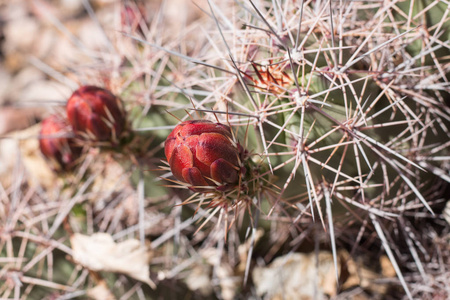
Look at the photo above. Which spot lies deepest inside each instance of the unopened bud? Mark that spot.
(56, 145)
(203, 154)
(96, 114)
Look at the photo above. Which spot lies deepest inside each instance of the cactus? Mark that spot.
(336, 138)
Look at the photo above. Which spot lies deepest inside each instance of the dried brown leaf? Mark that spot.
(297, 276)
(100, 252)
(101, 292)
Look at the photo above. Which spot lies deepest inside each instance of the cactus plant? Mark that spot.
(336, 139)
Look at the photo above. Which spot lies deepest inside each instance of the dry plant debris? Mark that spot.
(99, 252)
(297, 276)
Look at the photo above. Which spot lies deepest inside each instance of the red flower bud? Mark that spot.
(202, 153)
(55, 145)
(131, 16)
(96, 114)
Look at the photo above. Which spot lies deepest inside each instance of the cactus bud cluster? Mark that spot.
(346, 113)
(94, 115)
